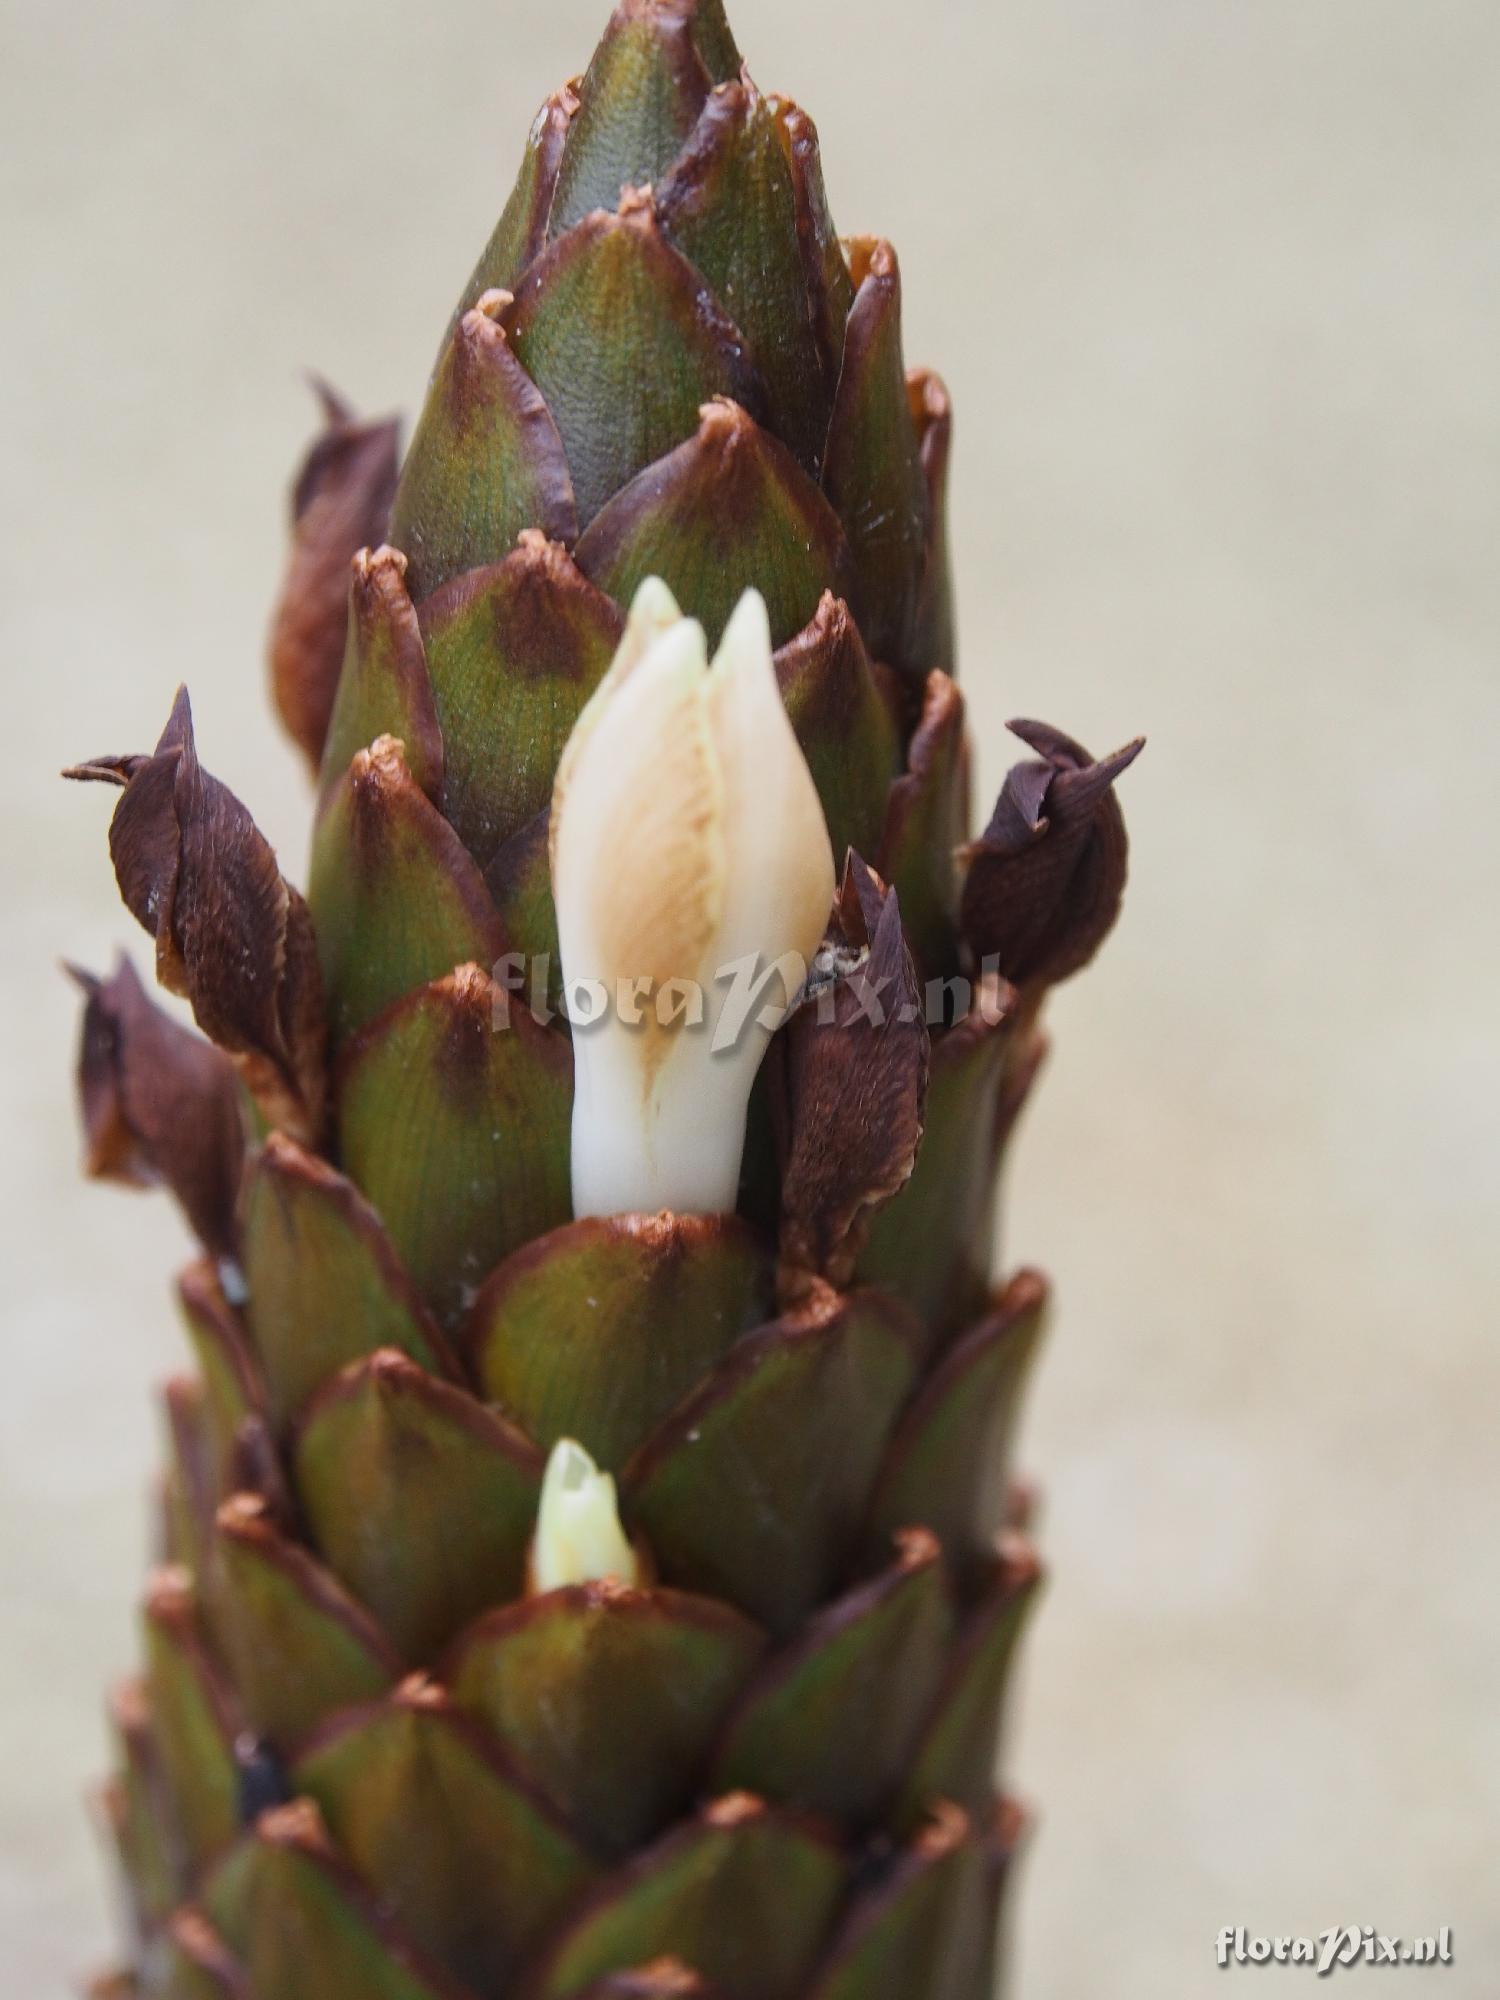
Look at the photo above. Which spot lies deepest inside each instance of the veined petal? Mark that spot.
(638, 845)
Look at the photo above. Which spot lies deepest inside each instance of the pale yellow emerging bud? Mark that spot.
(578, 1534)
(693, 876)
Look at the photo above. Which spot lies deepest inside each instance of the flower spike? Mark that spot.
(648, 640)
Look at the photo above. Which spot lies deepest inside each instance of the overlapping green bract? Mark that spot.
(364, 1761)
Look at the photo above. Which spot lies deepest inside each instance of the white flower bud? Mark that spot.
(693, 877)
(578, 1534)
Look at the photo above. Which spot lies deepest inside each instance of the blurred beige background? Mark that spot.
(1216, 284)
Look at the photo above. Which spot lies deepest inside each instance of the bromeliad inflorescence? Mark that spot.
(591, 1499)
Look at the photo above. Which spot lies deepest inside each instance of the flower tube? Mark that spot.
(693, 875)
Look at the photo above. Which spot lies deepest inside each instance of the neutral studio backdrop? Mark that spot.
(1216, 286)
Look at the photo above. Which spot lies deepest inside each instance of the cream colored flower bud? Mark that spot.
(693, 876)
(578, 1534)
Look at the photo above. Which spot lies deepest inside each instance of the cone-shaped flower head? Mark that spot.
(668, 380)
(693, 875)
(578, 1534)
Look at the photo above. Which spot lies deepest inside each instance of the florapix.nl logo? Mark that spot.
(1332, 1950)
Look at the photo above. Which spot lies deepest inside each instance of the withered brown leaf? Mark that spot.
(160, 1105)
(852, 1081)
(341, 503)
(232, 936)
(1045, 879)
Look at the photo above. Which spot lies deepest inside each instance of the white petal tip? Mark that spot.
(654, 604)
(747, 636)
(578, 1534)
